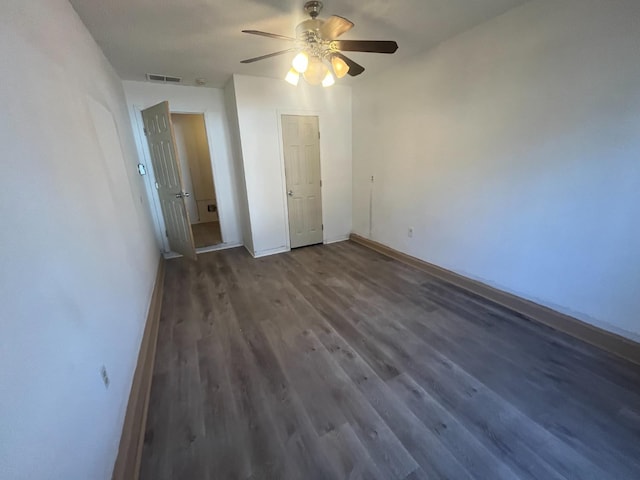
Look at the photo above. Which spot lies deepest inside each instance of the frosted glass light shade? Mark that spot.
(316, 71)
(340, 67)
(328, 80)
(292, 77)
(300, 62)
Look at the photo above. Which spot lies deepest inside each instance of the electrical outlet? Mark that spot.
(105, 376)
(410, 232)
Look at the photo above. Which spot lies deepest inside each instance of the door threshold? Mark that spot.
(212, 248)
(219, 246)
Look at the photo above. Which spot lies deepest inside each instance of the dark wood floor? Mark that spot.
(335, 362)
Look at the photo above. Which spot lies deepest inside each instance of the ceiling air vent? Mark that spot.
(152, 77)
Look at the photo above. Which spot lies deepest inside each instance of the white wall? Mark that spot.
(183, 99)
(513, 151)
(236, 152)
(78, 259)
(260, 102)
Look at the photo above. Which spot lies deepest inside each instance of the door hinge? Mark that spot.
(320, 182)
(323, 226)
(146, 132)
(166, 232)
(318, 134)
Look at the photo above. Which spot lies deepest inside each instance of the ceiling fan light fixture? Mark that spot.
(301, 62)
(328, 80)
(318, 53)
(316, 71)
(340, 67)
(292, 77)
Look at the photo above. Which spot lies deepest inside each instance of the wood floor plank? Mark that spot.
(349, 455)
(337, 313)
(156, 461)
(224, 426)
(335, 362)
(599, 362)
(330, 401)
(453, 389)
(314, 366)
(418, 474)
(302, 454)
(275, 418)
(424, 445)
(562, 404)
(503, 362)
(186, 425)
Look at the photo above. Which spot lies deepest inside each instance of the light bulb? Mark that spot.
(340, 67)
(316, 71)
(292, 77)
(300, 62)
(328, 80)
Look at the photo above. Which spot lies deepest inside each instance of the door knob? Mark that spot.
(183, 195)
(290, 193)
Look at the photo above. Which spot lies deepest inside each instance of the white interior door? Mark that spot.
(162, 148)
(301, 138)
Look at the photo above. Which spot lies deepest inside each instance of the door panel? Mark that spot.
(302, 168)
(162, 147)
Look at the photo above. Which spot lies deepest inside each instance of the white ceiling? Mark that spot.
(202, 38)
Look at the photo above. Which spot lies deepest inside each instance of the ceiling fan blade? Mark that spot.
(270, 35)
(354, 68)
(334, 27)
(372, 46)
(269, 55)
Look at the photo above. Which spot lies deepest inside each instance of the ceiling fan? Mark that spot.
(316, 43)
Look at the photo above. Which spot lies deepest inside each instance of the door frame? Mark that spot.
(283, 173)
(156, 212)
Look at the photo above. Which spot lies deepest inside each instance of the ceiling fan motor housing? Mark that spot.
(308, 31)
(313, 8)
(310, 39)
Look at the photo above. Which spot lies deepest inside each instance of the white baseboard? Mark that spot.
(342, 238)
(220, 246)
(212, 248)
(271, 251)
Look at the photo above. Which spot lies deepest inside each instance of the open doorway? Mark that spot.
(197, 177)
